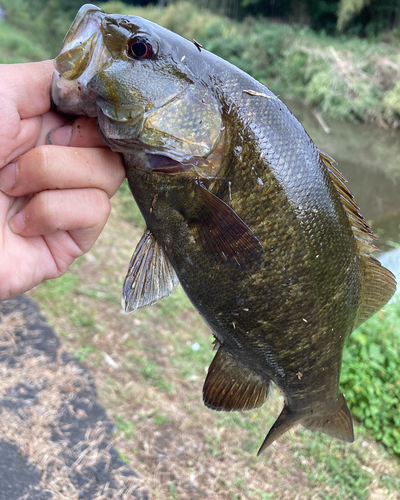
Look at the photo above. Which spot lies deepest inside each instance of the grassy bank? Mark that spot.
(345, 78)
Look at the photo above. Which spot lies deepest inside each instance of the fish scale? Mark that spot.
(241, 208)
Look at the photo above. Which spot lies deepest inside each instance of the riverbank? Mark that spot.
(341, 77)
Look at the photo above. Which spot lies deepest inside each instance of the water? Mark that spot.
(369, 158)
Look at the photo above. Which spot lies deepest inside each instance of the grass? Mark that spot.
(180, 448)
(17, 47)
(371, 376)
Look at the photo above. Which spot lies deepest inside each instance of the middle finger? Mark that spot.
(58, 167)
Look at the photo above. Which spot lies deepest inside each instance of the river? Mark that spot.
(369, 158)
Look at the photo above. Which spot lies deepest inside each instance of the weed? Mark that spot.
(83, 352)
(127, 427)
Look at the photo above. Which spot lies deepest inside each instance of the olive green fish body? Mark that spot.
(275, 317)
(241, 207)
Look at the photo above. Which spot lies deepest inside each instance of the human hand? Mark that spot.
(54, 200)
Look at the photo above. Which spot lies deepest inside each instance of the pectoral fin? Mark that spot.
(231, 386)
(150, 276)
(221, 231)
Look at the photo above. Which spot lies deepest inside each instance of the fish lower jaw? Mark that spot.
(67, 97)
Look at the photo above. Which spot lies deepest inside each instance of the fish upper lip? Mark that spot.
(81, 16)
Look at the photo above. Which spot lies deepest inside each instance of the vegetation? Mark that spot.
(371, 376)
(344, 78)
(363, 17)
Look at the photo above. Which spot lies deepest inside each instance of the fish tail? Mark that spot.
(338, 424)
(283, 423)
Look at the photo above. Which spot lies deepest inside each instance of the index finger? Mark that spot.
(28, 86)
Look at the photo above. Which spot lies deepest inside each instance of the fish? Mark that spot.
(242, 209)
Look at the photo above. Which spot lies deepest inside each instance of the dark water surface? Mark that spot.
(369, 158)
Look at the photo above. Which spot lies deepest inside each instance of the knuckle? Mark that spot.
(101, 203)
(42, 213)
(33, 165)
(41, 203)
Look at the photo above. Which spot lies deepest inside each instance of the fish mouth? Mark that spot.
(82, 56)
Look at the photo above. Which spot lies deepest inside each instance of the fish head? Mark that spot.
(139, 80)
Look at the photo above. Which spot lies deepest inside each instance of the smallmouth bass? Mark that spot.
(241, 208)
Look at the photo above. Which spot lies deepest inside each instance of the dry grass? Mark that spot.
(32, 429)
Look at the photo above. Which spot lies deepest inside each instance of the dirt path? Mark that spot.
(54, 435)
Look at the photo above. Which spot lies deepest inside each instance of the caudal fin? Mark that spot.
(283, 423)
(337, 424)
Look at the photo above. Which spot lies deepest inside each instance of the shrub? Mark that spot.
(371, 376)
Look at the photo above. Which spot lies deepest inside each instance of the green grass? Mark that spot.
(17, 47)
(337, 472)
(127, 427)
(371, 376)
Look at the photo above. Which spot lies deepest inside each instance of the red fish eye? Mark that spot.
(139, 49)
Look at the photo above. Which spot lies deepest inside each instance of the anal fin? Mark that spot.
(231, 386)
(150, 276)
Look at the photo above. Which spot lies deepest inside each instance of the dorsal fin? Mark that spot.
(378, 283)
(362, 232)
(378, 287)
(231, 386)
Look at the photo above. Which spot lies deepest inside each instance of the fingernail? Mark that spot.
(8, 177)
(17, 222)
(60, 136)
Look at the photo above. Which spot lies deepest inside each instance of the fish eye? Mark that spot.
(139, 48)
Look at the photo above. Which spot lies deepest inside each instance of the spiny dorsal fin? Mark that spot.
(378, 284)
(150, 276)
(359, 225)
(231, 386)
(337, 424)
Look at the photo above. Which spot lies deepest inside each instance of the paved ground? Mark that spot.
(54, 436)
